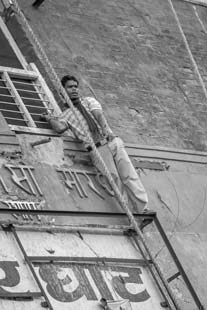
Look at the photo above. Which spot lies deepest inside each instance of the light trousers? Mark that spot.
(123, 171)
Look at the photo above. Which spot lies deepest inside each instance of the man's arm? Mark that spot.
(97, 111)
(99, 116)
(57, 124)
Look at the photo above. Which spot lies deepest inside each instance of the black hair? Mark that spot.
(68, 77)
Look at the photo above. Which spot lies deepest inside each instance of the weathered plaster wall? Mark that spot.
(132, 56)
(177, 194)
(73, 285)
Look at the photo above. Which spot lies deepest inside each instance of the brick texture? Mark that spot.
(132, 56)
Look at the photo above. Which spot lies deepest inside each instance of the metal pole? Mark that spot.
(42, 141)
(133, 236)
(178, 264)
(31, 267)
(84, 260)
(87, 230)
(73, 213)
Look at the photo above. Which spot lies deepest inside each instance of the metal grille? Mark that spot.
(33, 98)
(8, 106)
(23, 100)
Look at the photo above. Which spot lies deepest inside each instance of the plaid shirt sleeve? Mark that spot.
(92, 104)
(77, 124)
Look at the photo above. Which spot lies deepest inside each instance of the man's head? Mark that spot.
(70, 83)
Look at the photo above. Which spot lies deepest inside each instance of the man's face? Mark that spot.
(72, 90)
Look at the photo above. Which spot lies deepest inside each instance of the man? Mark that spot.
(92, 120)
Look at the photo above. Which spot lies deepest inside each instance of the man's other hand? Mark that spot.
(110, 137)
(45, 117)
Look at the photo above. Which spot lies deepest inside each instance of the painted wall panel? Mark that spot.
(14, 273)
(72, 245)
(23, 305)
(82, 287)
(77, 284)
(178, 194)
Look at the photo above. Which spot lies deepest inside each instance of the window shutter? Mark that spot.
(23, 98)
(8, 139)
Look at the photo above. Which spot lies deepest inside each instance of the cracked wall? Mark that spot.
(131, 55)
(177, 192)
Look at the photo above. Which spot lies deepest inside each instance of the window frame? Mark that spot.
(29, 71)
(35, 76)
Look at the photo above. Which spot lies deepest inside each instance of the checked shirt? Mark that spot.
(77, 123)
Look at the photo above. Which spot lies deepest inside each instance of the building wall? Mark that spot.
(45, 179)
(132, 56)
(122, 52)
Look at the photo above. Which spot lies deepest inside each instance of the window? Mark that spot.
(24, 97)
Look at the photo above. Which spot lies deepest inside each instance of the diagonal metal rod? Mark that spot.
(178, 264)
(31, 267)
(133, 236)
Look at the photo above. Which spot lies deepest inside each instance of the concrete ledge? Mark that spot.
(147, 152)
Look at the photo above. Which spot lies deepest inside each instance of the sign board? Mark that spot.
(43, 187)
(79, 272)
